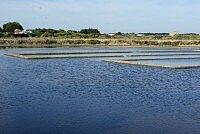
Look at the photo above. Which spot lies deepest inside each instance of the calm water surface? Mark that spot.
(89, 96)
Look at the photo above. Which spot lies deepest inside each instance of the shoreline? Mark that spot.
(93, 42)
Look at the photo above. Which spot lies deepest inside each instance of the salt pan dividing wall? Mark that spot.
(155, 58)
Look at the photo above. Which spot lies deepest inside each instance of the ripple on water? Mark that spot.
(91, 96)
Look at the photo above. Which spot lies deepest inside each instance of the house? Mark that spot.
(21, 33)
(18, 31)
(27, 31)
(111, 34)
(173, 33)
(140, 35)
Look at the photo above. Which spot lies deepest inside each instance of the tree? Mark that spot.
(1, 30)
(119, 33)
(90, 31)
(11, 26)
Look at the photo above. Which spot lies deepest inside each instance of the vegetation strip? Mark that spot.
(77, 42)
(13, 35)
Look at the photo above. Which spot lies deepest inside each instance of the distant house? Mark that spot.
(173, 33)
(153, 34)
(18, 31)
(21, 33)
(27, 31)
(140, 34)
(111, 34)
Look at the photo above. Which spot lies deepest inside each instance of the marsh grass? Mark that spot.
(60, 42)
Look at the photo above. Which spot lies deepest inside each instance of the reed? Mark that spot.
(60, 42)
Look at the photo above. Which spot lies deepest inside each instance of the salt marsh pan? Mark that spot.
(164, 57)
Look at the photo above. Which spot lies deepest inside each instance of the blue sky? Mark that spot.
(106, 15)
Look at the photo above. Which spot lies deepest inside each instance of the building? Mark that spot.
(111, 34)
(173, 33)
(18, 31)
(21, 33)
(140, 34)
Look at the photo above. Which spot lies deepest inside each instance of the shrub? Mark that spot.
(93, 42)
(50, 41)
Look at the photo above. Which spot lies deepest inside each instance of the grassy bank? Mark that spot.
(57, 42)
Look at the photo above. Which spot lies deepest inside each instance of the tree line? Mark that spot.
(8, 31)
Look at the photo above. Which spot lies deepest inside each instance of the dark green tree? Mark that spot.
(119, 33)
(1, 30)
(11, 26)
(90, 31)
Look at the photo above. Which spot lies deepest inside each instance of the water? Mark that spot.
(89, 96)
(171, 63)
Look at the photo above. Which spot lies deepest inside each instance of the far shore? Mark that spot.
(94, 42)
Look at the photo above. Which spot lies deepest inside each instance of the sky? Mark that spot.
(107, 15)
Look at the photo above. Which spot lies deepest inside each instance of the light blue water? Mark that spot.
(88, 96)
(172, 62)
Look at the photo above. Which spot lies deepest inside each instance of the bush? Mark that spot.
(1, 35)
(79, 42)
(2, 41)
(46, 34)
(93, 42)
(49, 41)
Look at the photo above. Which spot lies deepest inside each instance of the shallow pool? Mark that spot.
(89, 96)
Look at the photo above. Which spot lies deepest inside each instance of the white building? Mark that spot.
(140, 35)
(18, 31)
(111, 34)
(173, 33)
